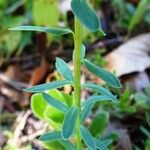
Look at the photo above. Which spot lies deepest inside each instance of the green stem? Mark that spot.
(77, 76)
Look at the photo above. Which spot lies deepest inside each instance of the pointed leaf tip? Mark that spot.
(63, 69)
(83, 11)
(51, 136)
(87, 138)
(47, 86)
(105, 75)
(52, 30)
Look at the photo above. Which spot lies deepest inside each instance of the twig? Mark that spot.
(20, 121)
(13, 83)
(29, 138)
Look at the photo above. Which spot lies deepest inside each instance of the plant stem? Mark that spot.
(77, 76)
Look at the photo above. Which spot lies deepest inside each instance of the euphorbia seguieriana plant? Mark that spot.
(71, 132)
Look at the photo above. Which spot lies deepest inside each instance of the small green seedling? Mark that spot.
(70, 112)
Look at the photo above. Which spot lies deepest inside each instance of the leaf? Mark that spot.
(55, 31)
(51, 136)
(63, 69)
(85, 111)
(100, 145)
(68, 145)
(87, 138)
(86, 15)
(105, 75)
(99, 123)
(64, 97)
(100, 90)
(53, 145)
(69, 122)
(55, 103)
(52, 115)
(38, 105)
(47, 86)
(93, 99)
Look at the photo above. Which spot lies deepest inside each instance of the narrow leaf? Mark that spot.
(105, 75)
(93, 99)
(86, 15)
(63, 69)
(85, 111)
(69, 122)
(100, 145)
(55, 103)
(87, 138)
(101, 90)
(55, 31)
(47, 86)
(51, 136)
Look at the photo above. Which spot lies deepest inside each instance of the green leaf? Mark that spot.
(47, 86)
(51, 136)
(55, 103)
(87, 138)
(38, 105)
(100, 145)
(93, 99)
(68, 145)
(101, 90)
(63, 69)
(55, 31)
(64, 97)
(86, 15)
(54, 117)
(99, 123)
(69, 122)
(105, 75)
(85, 111)
(53, 145)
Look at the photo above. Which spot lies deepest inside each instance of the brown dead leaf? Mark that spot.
(36, 77)
(131, 56)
